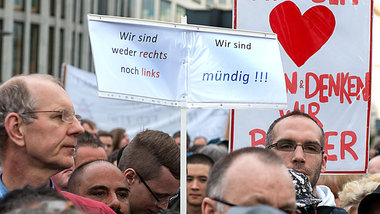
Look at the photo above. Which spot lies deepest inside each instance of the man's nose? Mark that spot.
(194, 185)
(113, 202)
(76, 128)
(298, 154)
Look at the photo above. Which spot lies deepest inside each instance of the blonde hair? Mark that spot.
(353, 192)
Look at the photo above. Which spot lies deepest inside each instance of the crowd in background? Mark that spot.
(54, 161)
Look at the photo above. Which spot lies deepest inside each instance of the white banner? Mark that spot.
(134, 117)
(326, 53)
(186, 65)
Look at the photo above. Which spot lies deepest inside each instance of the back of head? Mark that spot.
(214, 151)
(215, 182)
(148, 151)
(30, 198)
(258, 209)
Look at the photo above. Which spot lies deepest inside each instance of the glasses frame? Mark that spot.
(64, 113)
(224, 202)
(295, 147)
(158, 201)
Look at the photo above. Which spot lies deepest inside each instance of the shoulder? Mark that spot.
(87, 205)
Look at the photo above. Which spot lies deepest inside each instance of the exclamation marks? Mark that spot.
(262, 74)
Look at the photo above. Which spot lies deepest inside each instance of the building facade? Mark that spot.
(38, 36)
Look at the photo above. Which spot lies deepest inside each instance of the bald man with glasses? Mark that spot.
(299, 140)
(38, 131)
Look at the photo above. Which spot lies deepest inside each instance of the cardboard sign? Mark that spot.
(186, 65)
(326, 53)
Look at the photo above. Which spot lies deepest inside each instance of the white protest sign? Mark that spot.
(326, 53)
(186, 65)
(135, 117)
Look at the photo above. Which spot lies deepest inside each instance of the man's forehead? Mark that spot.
(100, 167)
(197, 167)
(296, 122)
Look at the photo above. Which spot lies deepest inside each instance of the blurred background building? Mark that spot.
(37, 36)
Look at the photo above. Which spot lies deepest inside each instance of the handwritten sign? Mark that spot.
(186, 65)
(326, 56)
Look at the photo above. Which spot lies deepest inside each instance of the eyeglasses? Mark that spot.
(67, 115)
(224, 202)
(158, 201)
(309, 209)
(289, 146)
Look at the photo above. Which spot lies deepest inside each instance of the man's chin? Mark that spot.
(194, 203)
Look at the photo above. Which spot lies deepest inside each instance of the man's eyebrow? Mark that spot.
(98, 187)
(291, 140)
(202, 176)
(122, 189)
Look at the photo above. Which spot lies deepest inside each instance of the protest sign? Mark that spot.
(135, 117)
(326, 53)
(186, 65)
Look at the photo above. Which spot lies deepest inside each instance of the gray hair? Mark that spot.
(16, 97)
(214, 151)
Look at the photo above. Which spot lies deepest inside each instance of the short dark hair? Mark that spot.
(270, 132)
(148, 151)
(215, 182)
(90, 123)
(102, 133)
(87, 139)
(200, 159)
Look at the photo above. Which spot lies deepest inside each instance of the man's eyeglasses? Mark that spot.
(158, 201)
(67, 115)
(224, 202)
(289, 146)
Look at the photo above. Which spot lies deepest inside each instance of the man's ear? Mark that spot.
(324, 162)
(209, 206)
(15, 128)
(130, 175)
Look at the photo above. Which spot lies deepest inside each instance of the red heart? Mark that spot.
(301, 36)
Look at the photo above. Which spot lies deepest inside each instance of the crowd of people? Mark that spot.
(54, 161)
